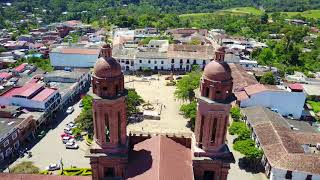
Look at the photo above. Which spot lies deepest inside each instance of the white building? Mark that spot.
(159, 55)
(284, 101)
(32, 95)
(74, 57)
(289, 147)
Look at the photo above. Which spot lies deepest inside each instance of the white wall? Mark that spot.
(72, 60)
(280, 174)
(285, 102)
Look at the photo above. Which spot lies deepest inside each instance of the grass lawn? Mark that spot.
(250, 10)
(307, 14)
(315, 106)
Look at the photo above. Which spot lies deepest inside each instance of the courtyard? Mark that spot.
(50, 148)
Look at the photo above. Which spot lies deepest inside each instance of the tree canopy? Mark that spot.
(268, 78)
(187, 84)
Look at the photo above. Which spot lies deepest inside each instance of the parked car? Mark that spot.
(81, 104)
(179, 77)
(66, 139)
(70, 110)
(72, 146)
(71, 125)
(66, 135)
(53, 167)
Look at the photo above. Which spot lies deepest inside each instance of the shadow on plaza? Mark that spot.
(248, 166)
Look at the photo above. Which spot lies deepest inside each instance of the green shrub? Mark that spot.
(247, 148)
(235, 113)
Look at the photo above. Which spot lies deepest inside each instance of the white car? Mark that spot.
(53, 167)
(67, 139)
(70, 110)
(70, 145)
(71, 125)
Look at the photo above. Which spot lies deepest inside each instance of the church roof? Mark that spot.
(160, 158)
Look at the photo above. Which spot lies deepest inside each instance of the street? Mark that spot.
(50, 148)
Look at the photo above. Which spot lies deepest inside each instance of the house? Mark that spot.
(283, 100)
(289, 148)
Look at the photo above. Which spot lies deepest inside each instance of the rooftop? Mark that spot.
(284, 146)
(7, 124)
(241, 78)
(73, 50)
(160, 158)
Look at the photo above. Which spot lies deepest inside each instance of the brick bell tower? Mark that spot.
(211, 156)
(109, 152)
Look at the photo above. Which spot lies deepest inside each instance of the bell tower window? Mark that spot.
(214, 130)
(107, 128)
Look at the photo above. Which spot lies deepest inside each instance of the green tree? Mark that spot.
(133, 100)
(235, 113)
(247, 147)
(240, 129)
(190, 111)
(25, 167)
(85, 119)
(268, 78)
(264, 18)
(185, 87)
(266, 57)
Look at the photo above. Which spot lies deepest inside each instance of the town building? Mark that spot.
(32, 95)
(14, 130)
(115, 154)
(73, 57)
(280, 99)
(290, 151)
(70, 84)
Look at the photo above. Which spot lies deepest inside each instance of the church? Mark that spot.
(116, 155)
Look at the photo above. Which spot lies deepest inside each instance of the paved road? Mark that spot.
(50, 149)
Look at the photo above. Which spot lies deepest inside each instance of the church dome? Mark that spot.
(217, 71)
(107, 67)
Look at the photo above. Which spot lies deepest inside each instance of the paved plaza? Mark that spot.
(50, 148)
(156, 91)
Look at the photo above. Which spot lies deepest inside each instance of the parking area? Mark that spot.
(50, 148)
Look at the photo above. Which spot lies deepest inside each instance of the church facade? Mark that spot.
(117, 155)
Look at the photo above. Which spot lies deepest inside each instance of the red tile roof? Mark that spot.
(8, 176)
(296, 87)
(5, 75)
(80, 51)
(21, 67)
(242, 95)
(254, 89)
(160, 158)
(44, 94)
(31, 90)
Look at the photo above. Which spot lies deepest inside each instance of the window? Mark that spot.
(1, 156)
(194, 61)
(132, 63)
(6, 143)
(161, 62)
(289, 175)
(188, 61)
(208, 175)
(140, 61)
(14, 136)
(181, 61)
(161, 67)
(155, 62)
(149, 61)
(8, 151)
(204, 62)
(172, 60)
(106, 127)
(214, 130)
(16, 145)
